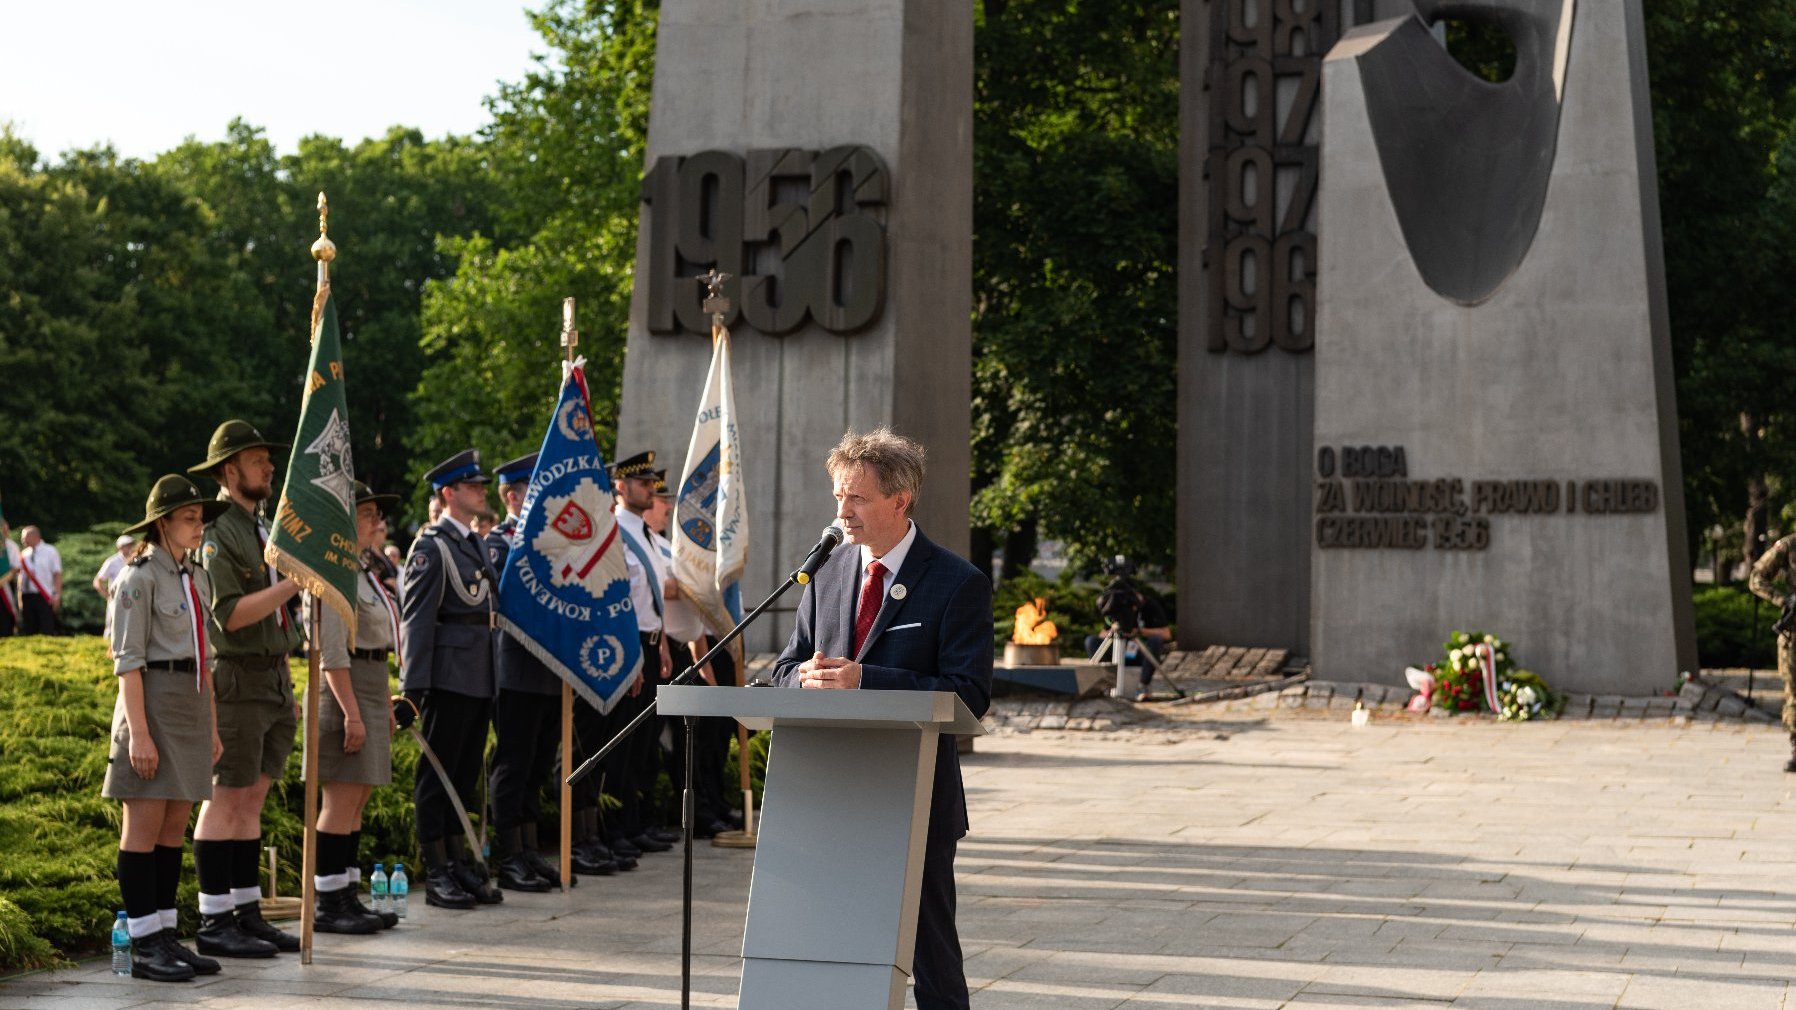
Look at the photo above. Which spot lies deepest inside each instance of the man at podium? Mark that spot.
(898, 613)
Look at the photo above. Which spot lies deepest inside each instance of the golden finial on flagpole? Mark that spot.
(323, 250)
(570, 337)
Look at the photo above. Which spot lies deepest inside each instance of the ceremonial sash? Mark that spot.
(26, 565)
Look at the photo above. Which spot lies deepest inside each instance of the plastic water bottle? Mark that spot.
(398, 888)
(121, 947)
(377, 885)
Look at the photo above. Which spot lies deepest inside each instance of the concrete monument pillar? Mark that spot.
(1249, 156)
(821, 152)
(1495, 439)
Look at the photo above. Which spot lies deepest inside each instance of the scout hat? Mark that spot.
(463, 467)
(231, 438)
(640, 466)
(516, 471)
(365, 494)
(170, 493)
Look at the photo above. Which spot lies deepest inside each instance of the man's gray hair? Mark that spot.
(895, 461)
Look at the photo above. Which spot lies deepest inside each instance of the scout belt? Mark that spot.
(378, 655)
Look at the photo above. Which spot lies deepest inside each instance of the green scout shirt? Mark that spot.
(232, 554)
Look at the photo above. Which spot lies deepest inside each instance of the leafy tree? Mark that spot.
(1724, 100)
(567, 144)
(1075, 263)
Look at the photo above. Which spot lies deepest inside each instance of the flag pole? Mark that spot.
(570, 338)
(323, 250)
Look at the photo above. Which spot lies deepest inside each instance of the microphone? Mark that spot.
(832, 537)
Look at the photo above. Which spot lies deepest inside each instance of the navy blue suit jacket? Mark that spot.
(937, 638)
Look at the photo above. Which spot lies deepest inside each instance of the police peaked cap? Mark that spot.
(516, 470)
(231, 438)
(640, 466)
(461, 468)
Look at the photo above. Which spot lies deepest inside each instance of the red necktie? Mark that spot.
(872, 591)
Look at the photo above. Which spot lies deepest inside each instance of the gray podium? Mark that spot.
(832, 910)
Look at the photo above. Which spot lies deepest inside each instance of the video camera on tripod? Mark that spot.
(1121, 604)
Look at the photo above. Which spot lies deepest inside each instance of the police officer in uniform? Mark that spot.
(631, 769)
(257, 716)
(526, 721)
(448, 595)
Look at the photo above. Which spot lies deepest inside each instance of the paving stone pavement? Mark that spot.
(1235, 863)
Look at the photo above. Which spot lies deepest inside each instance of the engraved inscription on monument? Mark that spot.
(1366, 499)
(803, 231)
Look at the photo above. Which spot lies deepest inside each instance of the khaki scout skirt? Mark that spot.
(373, 764)
(180, 724)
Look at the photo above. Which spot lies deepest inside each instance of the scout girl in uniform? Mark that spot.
(355, 727)
(164, 729)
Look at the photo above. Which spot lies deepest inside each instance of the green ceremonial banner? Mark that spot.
(314, 541)
(5, 555)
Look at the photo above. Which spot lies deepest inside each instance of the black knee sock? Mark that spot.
(246, 862)
(168, 875)
(355, 850)
(212, 861)
(137, 883)
(330, 853)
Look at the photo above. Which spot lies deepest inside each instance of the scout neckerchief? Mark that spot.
(196, 625)
(392, 611)
(274, 574)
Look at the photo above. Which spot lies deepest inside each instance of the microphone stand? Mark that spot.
(687, 803)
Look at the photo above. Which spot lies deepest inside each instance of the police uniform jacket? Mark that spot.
(519, 670)
(448, 595)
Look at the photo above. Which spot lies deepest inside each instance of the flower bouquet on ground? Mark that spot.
(1477, 675)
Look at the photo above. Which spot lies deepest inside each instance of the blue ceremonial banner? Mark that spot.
(565, 593)
(710, 526)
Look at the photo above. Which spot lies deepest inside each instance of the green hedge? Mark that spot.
(60, 836)
(1725, 627)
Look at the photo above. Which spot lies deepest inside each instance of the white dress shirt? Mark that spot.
(892, 561)
(642, 592)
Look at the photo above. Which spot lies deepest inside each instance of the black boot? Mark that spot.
(200, 965)
(515, 872)
(472, 874)
(387, 919)
(440, 886)
(533, 855)
(151, 959)
(249, 918)
(339, 913)
(590, 853)
(221, 934)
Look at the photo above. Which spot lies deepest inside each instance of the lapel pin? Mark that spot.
(898, 591)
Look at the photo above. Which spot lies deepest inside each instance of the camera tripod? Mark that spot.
(1114, 650)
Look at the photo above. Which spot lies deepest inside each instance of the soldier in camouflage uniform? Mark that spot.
(1780, 560)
